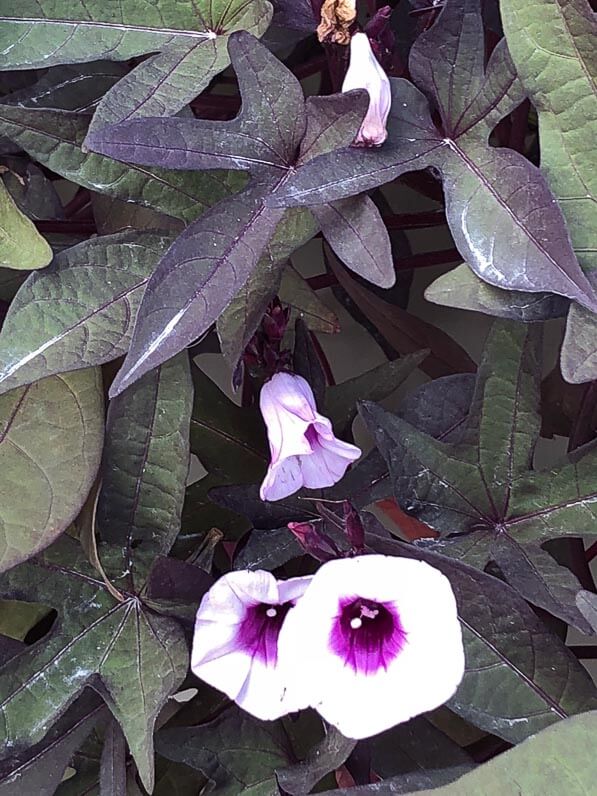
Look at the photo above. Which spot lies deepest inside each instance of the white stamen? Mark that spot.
(369, 613)
(356, 623)
(271, 612)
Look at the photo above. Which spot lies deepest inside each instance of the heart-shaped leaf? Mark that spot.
(51, 435)
(21, 245)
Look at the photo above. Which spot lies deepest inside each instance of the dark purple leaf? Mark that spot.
(171, 579)
(306, 360)
(328, 755)
(196, 279)
(213, 259)
(297, 14)
(268, 549)
(355, 230)
(113, 762)
(412, 138)
(405, 332)
(502, 214)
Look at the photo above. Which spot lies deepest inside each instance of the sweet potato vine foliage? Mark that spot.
(212, 579)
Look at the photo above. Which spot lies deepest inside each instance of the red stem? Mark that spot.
(591, 552)
(78, 202)
(584, 652)
(432, 218)
(66, 227)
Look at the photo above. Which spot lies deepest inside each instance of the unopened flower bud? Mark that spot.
(366, 72)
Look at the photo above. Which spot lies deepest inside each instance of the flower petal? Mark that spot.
(288, 408)
(219, 654)
(422, 676)
(283, 478)
(328, 462)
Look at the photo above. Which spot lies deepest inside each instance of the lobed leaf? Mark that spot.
(134, 658)
(519, 677)
(478, 489)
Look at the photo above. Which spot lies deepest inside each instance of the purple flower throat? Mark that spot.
(367, 635)
(258, 632)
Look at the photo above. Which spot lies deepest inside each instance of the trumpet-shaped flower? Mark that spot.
(374, 641)
(235, 645)
(365, 71)
(304, 450)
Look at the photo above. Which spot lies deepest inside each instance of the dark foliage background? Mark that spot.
(167, 170)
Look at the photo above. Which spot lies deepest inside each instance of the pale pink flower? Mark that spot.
(374, 641)
(235, 644)
(366, 72)
(304, 450)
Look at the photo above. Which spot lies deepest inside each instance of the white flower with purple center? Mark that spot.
(235, 644)
(374, 641)
(304, 450)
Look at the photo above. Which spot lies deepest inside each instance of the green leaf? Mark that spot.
(132, 657)
(579, 353)
(39, 770)
(519, 677)
(268, 549)
(21, 245)
(227, 439)
(73, 31)
(236, 752)
(553, 47)
(51, 435)
(54, 139)
(587, 605)
(326, 756)
(462, 288)
(80, 311)
(69, 88)
(481, 493)
(33, 192)
(377, 383)
(145, 463)
(552, 44)
(295, 291)
(163, 84)
(560, 759)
